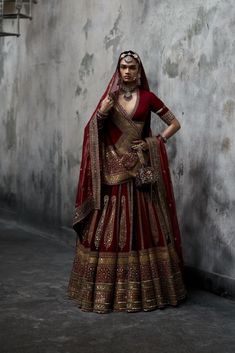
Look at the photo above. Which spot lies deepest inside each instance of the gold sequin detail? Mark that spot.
(153, 223)
(160, 194)
(92, 226)
(108, 236)
(95, 161)
(100, 227)
(126, 281)
(123, 227)
(82, 211)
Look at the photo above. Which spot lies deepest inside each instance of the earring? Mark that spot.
(139, 80)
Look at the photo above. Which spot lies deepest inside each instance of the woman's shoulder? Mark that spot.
(146, 93)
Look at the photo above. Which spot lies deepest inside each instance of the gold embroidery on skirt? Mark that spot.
(82, 211)
(161, 217)
(92, 226)
(140, 224)
(118, 208)
(123, 228)
(143, 280)
(154, 151)
(108, 236)
(165, 214)
(86, 231)
(100, 227)
(130, 207)
(153, 222)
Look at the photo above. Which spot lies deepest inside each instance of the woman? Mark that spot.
(128, 253)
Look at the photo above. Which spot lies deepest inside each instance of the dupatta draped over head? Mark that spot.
(88, 196)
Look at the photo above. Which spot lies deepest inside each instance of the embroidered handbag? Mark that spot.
(146, 175)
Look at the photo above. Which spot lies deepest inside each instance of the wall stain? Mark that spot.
(180, 170)
(145, 4)
(220, 198)
(172, 151)
(86, 67)
(202, 21)
(38, 181)
(10, 128)
(226, 144)
(72, 161)
(52, 190)
(77, 114)
(84, 92)
(7, 195)
(197, 27)
(52, 22)
(171, 68)
(2, 58)
(219, 45)
(229, 109)
(115, 35)
(78, 91)
(201, 190)
(87, 27)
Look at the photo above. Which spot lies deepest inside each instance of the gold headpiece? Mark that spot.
(128, 55)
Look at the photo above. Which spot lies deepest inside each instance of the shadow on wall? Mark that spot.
(208, 245)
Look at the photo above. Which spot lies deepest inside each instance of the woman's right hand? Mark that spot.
(106, 104)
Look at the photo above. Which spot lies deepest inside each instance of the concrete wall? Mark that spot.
(53, 75)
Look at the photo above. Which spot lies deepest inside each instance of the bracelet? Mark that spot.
(164, 139)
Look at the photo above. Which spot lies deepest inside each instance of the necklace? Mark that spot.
(128, 91)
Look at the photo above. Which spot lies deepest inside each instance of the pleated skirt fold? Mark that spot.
(126, 260)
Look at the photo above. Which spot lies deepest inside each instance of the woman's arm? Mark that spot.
(173, 127)
(164, 113)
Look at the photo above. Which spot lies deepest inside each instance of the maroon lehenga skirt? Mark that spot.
(126, 260)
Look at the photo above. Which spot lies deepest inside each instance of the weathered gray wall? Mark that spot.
(52, 76)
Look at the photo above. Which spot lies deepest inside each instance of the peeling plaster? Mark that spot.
(115, 34)
(87, 27)
(171, 68)
(86, 67)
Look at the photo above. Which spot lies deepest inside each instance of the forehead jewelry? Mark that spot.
(128, 59)
(128, 55)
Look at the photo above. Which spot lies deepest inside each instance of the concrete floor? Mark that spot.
(36, 317)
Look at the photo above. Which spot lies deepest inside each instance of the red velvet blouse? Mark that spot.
(148, 102)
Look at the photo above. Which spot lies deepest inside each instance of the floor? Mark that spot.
(37, 317)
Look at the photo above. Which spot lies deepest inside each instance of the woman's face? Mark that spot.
(128, 69)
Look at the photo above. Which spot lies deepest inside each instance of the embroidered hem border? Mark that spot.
(135, 281)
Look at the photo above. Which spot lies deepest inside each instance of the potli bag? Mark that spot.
(146, 175)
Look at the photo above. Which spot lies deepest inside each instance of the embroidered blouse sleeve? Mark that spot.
(158, 107)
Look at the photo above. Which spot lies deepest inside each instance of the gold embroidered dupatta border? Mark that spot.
(160, 187)
(95, 162)
(154, 155)
(120, 162)
(93, 201)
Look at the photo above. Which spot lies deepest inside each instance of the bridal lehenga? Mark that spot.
(128, 253)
